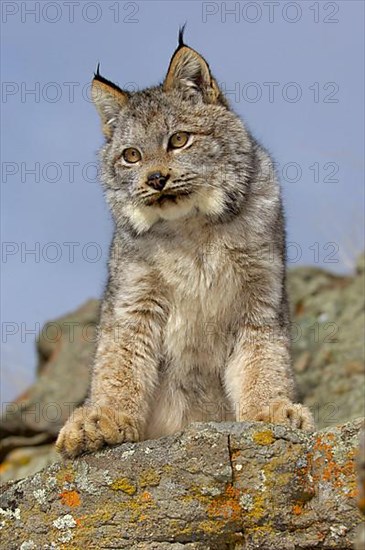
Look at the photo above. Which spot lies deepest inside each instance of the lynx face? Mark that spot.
(167, 150)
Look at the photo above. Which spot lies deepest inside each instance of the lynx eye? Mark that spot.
(131, 155)
(178, 140)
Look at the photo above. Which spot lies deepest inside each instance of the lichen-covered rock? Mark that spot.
(65, 348)
(360, 540)
(25, 461)
(328, 342)
(214, 486)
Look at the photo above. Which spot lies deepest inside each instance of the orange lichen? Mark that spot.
(304, 479)
(146, 496)
(339, 475)
(226, 506)
(70, 498)
(297, 509)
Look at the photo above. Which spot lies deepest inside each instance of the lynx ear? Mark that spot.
(108, 99)
(189, 72)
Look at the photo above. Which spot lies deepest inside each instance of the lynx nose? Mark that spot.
(157, 181)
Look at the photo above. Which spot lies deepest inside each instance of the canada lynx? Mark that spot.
(194, 322)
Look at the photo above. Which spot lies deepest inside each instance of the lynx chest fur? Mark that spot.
(204, 290)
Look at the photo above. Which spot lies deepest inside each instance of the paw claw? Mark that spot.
(287, 413)
(92, 427)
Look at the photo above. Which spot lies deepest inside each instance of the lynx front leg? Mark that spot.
(259, 381)
(125, 373)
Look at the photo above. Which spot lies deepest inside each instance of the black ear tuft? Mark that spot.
(189, 72)
(181, 35)
(109, 99)
(100, 78)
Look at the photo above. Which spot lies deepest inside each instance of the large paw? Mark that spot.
(290, 414)
(91, 427)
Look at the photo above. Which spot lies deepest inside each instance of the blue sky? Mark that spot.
(293, 71)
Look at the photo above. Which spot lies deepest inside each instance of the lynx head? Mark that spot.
(172, 151)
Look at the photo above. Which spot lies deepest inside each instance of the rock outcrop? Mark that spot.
(214, 486)
(328, 315)
(360, 539)
(65, 348)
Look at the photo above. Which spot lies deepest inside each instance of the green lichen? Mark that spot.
(125, 485)
(149, 478)
(264, 437)
(137, 508)
(65, 476)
